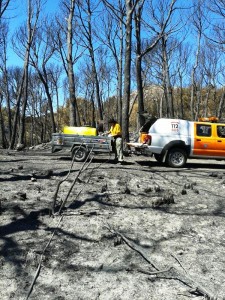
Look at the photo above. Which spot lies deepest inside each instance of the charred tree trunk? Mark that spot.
(16, 114)
(166, 81)
(120, 76)
(6, 83)
(32, 19)
(89, 35)
(74, 115)
(127, 69)
(141, 118)
(44, 80)
(2, 127)
(21, 140)
(221, 105)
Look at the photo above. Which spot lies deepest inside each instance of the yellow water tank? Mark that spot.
(83, 130)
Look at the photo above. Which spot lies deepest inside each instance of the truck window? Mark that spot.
(221, 131)
(203, 130)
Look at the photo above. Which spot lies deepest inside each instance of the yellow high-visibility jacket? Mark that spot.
(115, 130)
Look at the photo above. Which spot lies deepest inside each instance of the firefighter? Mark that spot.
(117, 143)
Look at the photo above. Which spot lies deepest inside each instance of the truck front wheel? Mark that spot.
(176, 158)
(79, 153)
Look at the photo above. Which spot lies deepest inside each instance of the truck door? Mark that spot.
(204, 142)
(220, 140)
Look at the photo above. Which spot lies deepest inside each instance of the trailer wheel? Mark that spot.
(176, 158)
(158, 157)
(79, 153)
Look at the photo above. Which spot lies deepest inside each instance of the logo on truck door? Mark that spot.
(175, 126)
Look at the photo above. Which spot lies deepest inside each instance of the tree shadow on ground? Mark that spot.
(219, 211)
(13, 161)
(192, 165)
(18, 177)
(104, 201)
(29, 222)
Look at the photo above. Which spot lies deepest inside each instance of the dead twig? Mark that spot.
(132, 245)
(40, 261)
(176, 258)
(82, 169)
(58, 186)
(153, 273)
(88, 177)
(196, 287)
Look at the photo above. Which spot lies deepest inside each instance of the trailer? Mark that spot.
(81, 145)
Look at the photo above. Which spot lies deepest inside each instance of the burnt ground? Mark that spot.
(134, 231)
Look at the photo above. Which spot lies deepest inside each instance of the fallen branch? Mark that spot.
(58, 186)
(153, 273)
(132, 245)
(82, 169)
(196, 287)
(40, 261)
(88, 178)
(66, 177)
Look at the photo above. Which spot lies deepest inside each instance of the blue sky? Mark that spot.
(18, 10)
(16, 15)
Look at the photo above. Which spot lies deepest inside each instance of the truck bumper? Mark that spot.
(140, 148)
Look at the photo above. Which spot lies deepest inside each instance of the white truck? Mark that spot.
(172, 141)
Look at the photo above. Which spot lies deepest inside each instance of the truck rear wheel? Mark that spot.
(176, 158)
(80, 153)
